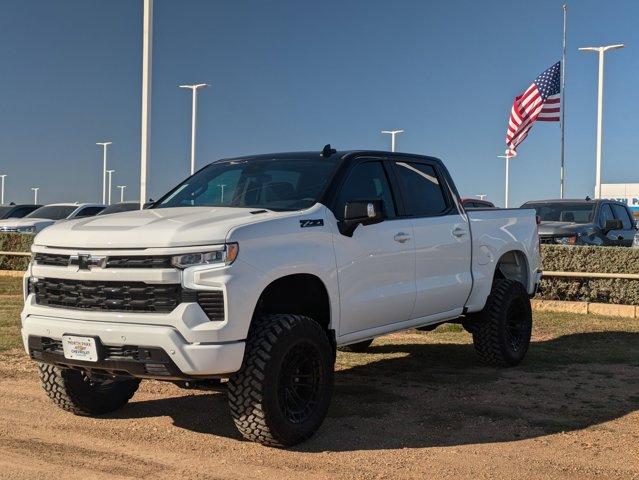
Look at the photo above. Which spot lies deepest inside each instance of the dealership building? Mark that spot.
(627, 193)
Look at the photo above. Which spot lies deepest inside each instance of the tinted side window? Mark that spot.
(367, 181)
(622, 214)
(421, 189)
(605, 214)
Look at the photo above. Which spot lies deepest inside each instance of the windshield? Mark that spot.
(52, 212)
(4, 211)
(273, 184)
(563, 211)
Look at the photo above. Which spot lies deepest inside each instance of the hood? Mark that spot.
(567, 228)
(162, 227)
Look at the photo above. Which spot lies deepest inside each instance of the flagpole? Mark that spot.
(563, 105)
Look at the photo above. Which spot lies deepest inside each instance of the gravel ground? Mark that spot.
(416, 406)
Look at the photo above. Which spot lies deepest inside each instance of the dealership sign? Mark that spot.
(627, 193)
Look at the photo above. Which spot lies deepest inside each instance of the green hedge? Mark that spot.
(590, 259)
(14, 242)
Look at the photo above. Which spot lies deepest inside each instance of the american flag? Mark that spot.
(541, 101)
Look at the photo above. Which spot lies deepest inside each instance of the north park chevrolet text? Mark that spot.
(250, 274)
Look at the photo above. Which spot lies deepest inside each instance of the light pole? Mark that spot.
(35, 194)
(392, 133)
(507, 157)
(193, 89)
(145, 142)
(110, 172)
(2, 194)
(121, 187)
(481, 196)
(104, 146)
(601, 51)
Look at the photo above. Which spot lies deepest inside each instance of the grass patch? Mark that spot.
(10, 285)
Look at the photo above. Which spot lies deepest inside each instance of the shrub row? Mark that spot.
(14, 242)
(590, 259)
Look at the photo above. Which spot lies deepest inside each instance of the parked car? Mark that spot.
(257, 269)
(48, 215)
(584, 222)
(122, 207)
(475, 203)
(16, 211)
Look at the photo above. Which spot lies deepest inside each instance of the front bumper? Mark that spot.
(150, 351)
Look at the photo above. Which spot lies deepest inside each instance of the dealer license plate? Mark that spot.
(80, 348)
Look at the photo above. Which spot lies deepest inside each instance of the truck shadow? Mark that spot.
(437, 394)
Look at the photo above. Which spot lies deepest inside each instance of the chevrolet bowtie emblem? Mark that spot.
(86, 262)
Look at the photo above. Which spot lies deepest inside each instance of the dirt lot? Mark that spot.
(417, 406)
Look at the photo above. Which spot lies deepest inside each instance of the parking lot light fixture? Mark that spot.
(393, 134)
(507, 157)
(110, 172)
(2, 190)
(104, 146)
(35, 194)
(193, 89)
(121, 187)
(601, 51)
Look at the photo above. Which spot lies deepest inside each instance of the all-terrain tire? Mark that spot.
(73, 391)
(501, 331)
(282, 392)
(359, 347)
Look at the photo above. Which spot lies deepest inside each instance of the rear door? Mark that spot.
(376, 266)
(442, 238)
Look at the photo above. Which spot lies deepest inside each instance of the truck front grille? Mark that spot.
(123, 296)
(139, 261)
(112, 296)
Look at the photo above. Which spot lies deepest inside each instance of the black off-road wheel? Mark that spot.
(501, 331)
(76, 392)
(359, 347)
(281, 394)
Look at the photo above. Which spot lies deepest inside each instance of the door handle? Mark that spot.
(401, 237)
(459, 232)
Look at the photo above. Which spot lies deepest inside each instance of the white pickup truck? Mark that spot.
(254, 271)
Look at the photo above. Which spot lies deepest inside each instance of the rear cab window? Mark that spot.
(422, 189)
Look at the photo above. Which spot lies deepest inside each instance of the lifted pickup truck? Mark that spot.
(256, 270)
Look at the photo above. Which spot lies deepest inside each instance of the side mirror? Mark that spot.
(613, 225)
(361, 212)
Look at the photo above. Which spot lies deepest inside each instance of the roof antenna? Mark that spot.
(328, 151)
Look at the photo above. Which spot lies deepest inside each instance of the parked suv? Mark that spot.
(257, 269)
(584, 222)
(48, 215)
(16, 211)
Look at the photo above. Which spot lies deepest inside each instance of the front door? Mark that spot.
(376, 266)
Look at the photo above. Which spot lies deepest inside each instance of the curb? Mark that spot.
(607, 309)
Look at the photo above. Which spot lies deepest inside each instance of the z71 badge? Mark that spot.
(312, 223)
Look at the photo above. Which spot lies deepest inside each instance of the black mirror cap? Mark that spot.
(615, 224)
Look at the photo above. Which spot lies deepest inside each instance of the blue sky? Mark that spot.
(295, 75)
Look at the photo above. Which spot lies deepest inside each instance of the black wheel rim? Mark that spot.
(516, 325)
(300, 382)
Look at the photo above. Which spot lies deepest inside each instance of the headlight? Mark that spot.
(225, 255)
